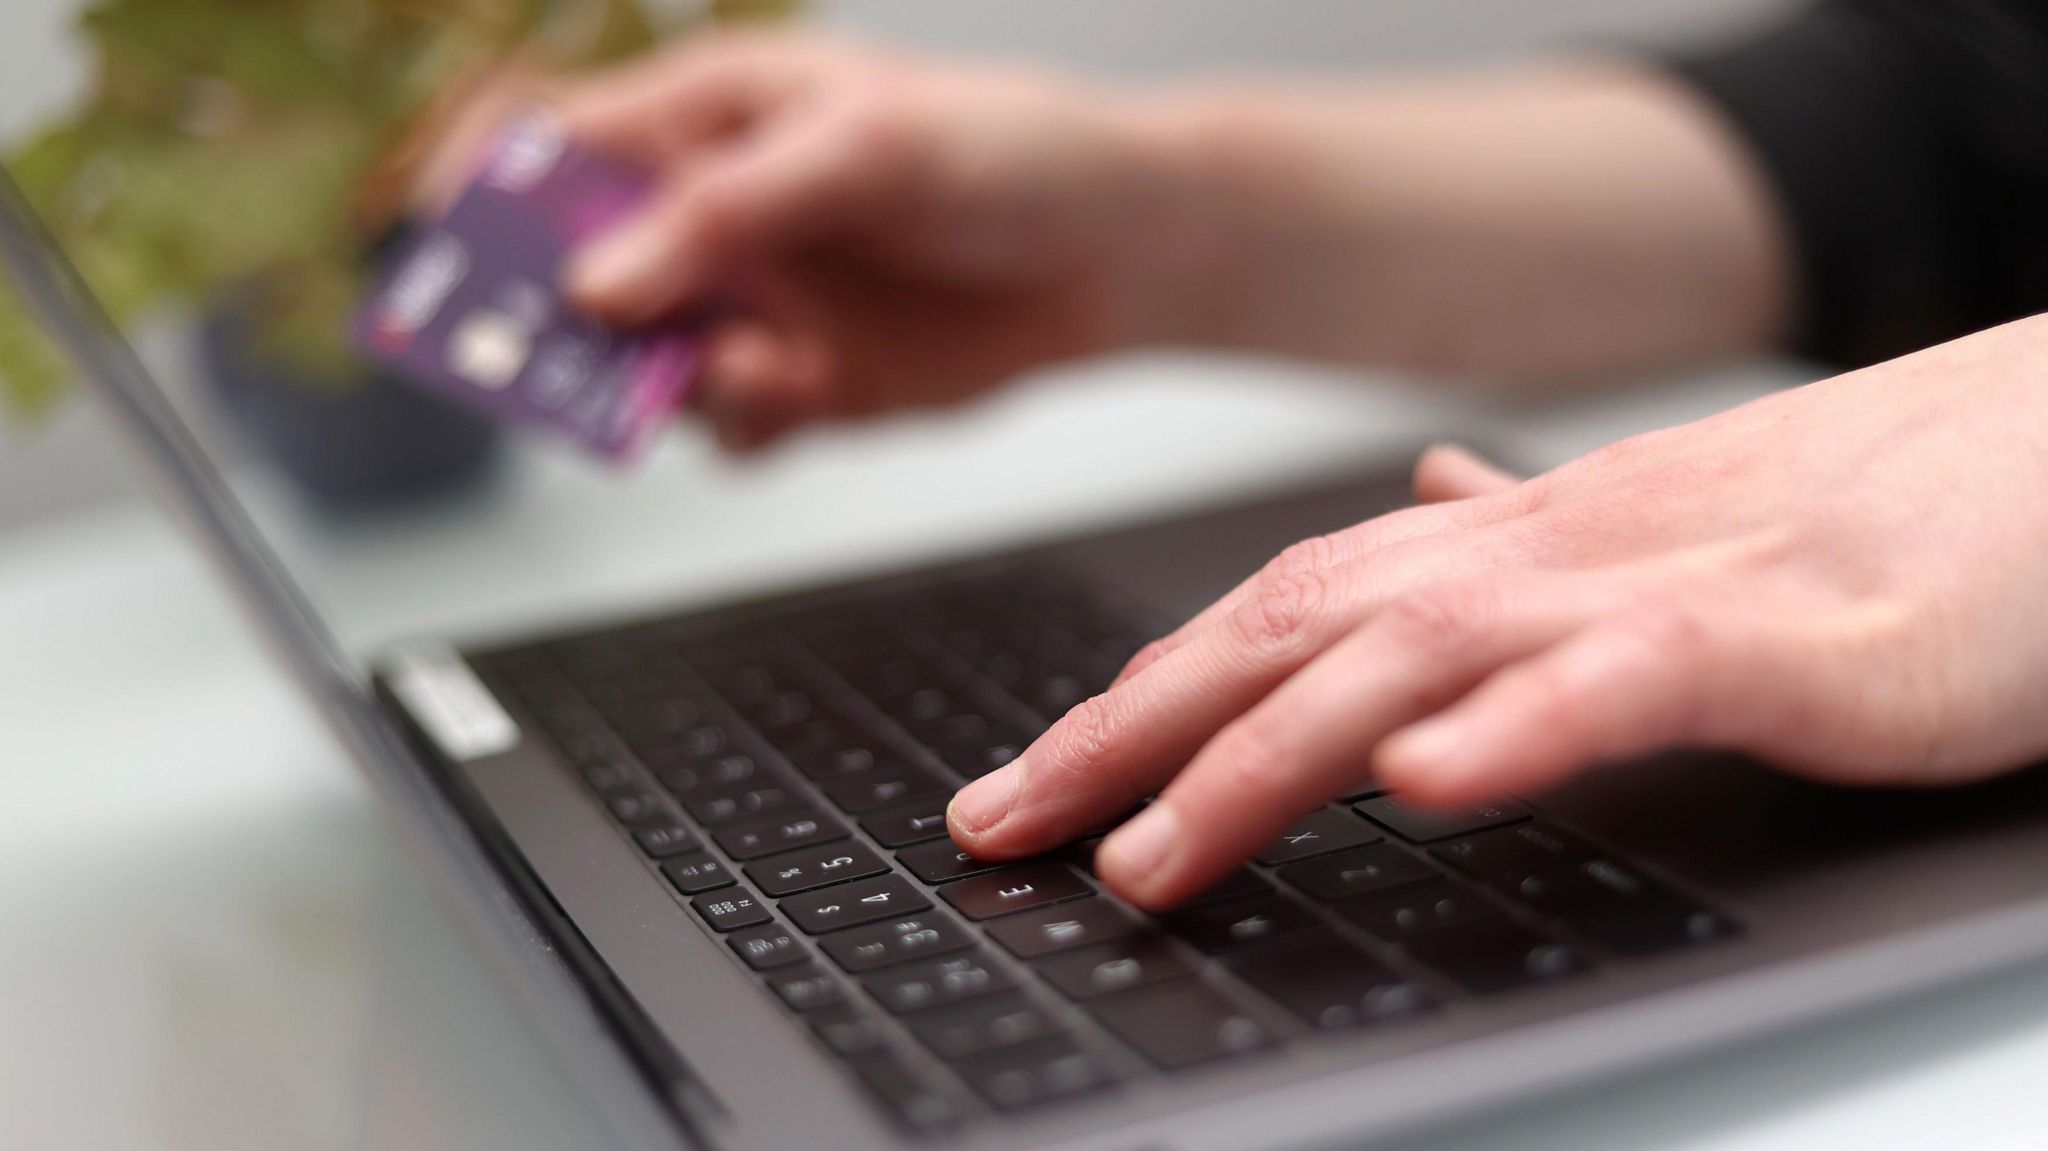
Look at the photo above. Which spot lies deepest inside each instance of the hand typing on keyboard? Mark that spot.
(1843, 579)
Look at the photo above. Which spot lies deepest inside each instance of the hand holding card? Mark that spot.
(469, 307)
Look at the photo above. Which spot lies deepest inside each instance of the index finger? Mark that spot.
(668, 105)
(1319, 553)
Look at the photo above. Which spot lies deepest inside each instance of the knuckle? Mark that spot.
(1305, 557)
(1085, 736)
(1892, 708)
(1282, 610)
(1446, 618)
(1672, 632)
(878, 128)
(1532, 495)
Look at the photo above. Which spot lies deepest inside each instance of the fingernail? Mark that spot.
(977, 808)
(1141, 848)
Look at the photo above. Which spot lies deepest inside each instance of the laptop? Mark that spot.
(706, 848)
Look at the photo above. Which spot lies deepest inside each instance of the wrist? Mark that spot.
(1186, 219)
(1263, 235)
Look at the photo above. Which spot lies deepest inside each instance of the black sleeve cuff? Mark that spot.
(1842, 109)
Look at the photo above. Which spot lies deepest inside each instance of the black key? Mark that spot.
(664, 839)
(1507, 855)
(1416, 907)
(785, 709)
(747, 683)
(903, 824)
(1006, 668)
(811, 745)
(895, 941)
(720, 773)
(852, 759)
(1236, 885)
(788, 872)
(1056, 694)
(1063, 927)
(847, 1029)
(702, 742)
(1220, 927)
(730, 910)
(716, 808)
(766, 947)
(556, 703)
(1362, 792)
(1080, 853)
(1620, 909)
(924, 705)
(1034, 1073)
(912, 1098)
(1494, 954)
(806, 988)
(696, 872)
(964, 728)
(1359, 871)
(941, 862)
(1319, 833)
(1418, 826)
(984, 1024)
(609, 774)
(1329, 983)
(977, 755)
(646, 699)
(884, 675)
(656, 723)
(576, 731)
(933, 982)
(1118, 965)
(858, 794)
(1180, 1022)
(853, 904)
(794, 828)
(636, 805)
(581, 746)
(1015, 889)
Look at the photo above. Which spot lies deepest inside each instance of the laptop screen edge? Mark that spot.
(343, 695)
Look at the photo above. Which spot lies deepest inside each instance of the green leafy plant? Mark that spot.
(257, 145)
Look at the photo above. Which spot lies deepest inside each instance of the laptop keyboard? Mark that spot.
(788, 776)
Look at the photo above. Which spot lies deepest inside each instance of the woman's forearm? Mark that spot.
(1569, 222)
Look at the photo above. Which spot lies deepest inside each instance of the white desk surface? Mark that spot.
(209, 939)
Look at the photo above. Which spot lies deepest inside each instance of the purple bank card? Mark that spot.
(470, 306)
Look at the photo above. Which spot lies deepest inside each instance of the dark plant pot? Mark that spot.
(361, 445)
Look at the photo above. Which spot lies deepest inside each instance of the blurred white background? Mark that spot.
(72, 460)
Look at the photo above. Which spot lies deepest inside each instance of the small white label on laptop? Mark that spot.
(450, 703)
